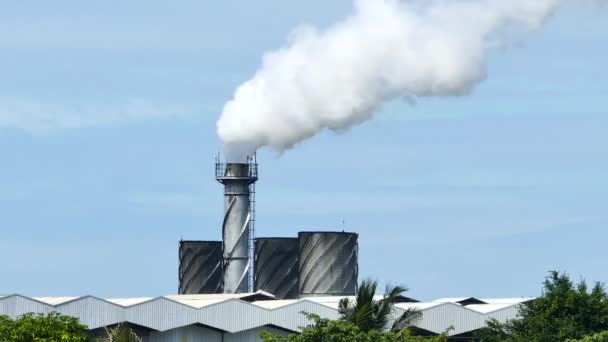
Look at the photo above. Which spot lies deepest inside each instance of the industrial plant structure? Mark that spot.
(237, 228)
(201, 267)
(277, 266)
(232, 290)
(313, 264)
(242, 317)
(328, 263)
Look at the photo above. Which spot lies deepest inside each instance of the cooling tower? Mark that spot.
(328, 263)
(200, 267)
(276, 266)
(236, 178)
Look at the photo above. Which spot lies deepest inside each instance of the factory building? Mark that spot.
(236, 288)
(242, 317)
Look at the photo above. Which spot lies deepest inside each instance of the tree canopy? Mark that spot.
(327, 330)
(563, 311)
(54, 327)
(599, 337)
(51, 327)
(368, 313)
(121, 333)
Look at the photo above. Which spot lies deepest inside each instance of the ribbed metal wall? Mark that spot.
(200, 267)
(194, 333)
(328, 263)
(190, 333)
(276, 266)
(236, 316)
(252, 335)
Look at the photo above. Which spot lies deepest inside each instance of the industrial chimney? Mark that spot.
(237, 229)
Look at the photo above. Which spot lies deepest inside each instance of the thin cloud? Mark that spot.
(38, 117)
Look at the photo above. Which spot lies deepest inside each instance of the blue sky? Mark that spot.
(107, 138)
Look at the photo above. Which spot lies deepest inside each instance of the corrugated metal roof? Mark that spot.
(129, 301)
(231, 313)
(55, 300)
(485, 308)
(507, 300)
(450, 299)
(273, 304)
(202, 300)
(197, 303)
(221, 296)
(329, 301)
(334, 301)
(460, 300)
(417, 306)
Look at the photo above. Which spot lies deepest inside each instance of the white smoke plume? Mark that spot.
(386, 49)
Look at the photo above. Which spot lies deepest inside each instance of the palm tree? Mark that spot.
(368, 313)
(121, 333)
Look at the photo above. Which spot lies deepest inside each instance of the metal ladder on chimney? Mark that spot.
(251, 277)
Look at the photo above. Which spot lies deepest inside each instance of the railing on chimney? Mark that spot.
(220, 168)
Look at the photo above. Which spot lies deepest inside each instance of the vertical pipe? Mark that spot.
(236, 178)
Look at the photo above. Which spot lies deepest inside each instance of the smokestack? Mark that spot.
(238, 180)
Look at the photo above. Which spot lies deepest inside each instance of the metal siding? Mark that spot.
(160, 314)
(15, 306)
(103, 315)
(196, 333)
(276, 266)
(235, 315)
(328, 263)
(511, 312)
(252, 335)
(250, 316)
(185, 334)
(200, 267)
(290, 317)
(441, 318)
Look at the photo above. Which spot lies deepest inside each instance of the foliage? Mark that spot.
(51, 327)
(407, 319)
(563, 311)
(325, 330)
(599, 337)
(121, 333)
(369, 314)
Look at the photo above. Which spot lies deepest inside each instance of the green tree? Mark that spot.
(599, 337)
(368, 314)
(325, 330)
(7, 326)
(563, 311)
(121, 333)
(52, 327)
